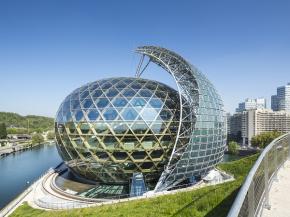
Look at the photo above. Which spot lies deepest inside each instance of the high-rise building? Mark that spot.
(234, 126)
(258, 121)
(259, 103)
(281, 101)
(274, 103)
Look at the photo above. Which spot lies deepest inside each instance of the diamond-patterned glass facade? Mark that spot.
(109, 129)
(112, 128)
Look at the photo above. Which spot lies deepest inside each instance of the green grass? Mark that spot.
(212, 201)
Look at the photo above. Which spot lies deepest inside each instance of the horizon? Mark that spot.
(48, 49)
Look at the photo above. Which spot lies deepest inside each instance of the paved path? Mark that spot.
(280, 194)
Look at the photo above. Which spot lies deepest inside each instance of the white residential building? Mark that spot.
(259, 103)
(258, 121)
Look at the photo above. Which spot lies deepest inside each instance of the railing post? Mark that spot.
(275, 178)
(251, 200)
(266, 178)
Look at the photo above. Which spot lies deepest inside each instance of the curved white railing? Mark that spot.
(254, 193)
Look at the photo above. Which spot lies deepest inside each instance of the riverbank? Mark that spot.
(20, 169)
(5, 151)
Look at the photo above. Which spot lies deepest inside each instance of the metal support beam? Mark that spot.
(139, 66)
(184, 75)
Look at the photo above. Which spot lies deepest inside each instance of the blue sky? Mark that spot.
(49, 48)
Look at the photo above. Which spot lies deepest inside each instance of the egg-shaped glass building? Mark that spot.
(114, 130)
(111, 128)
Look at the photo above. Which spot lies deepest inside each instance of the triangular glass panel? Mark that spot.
(128, 92)
(129, 141)
(129, 114)
(93, 115)
(120, 102)
(160, 94)
(106, 85)
(102, 102)
(145, 93)
(150, 86)
(127, 80)
(138, 155)
(157, 128)
(165, 115)
(112, 92)
(93, 86)
(101, 128)
(87, 103)
(139, 127)
(110, 142)
(118, 155)
(149, 114)
(121, 85)
(85, 128)
(97, 93)
(79, 116)
(75, 104)
(138, 102)
(156, 103)
(84, 94)
(136, 85)
(66, 106)
(120, 128)
(110, 114)
(67, 116)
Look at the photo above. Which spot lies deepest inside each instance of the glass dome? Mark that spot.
(109, 129)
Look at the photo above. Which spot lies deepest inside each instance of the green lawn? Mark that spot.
(212, 201)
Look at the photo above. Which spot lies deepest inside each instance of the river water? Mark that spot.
(19, 170)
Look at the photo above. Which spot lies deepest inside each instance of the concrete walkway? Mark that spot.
(280, 194)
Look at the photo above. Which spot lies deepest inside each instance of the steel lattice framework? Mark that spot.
(187, 80)
(110, 129)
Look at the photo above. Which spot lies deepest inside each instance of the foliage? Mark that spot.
(18, 124)
(3, 131)
(50, 135)
(233, 148)
(17, 130)
(264, 139)
(37, 138)
(209, 201)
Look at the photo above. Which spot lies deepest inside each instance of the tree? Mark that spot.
(37, 138)
(233, 148)
(50, 135)
(3, 131)
(264, 139)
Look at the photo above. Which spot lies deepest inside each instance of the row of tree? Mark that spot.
(38, 138)
(259, 141)
(264, 139)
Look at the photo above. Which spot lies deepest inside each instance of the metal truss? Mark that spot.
(183, 74)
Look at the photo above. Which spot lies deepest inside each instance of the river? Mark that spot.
(19, 170)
